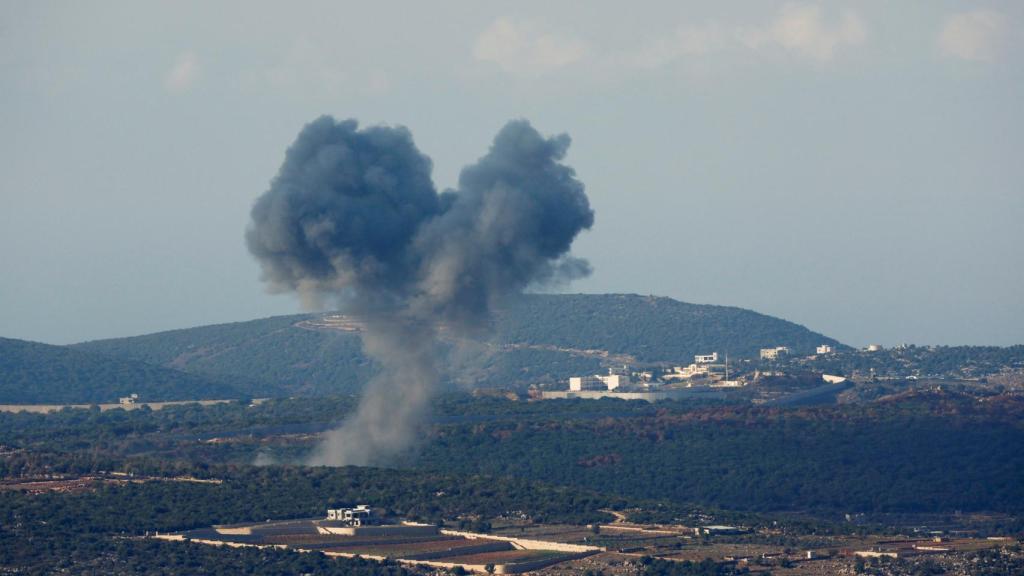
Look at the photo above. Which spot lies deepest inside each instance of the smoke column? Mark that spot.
(353, 216)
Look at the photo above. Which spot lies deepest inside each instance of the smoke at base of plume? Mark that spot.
(394, 402)
(353, 214)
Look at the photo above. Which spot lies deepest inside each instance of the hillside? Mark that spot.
(652, 329)
(539, 338)
(272, 352)
(35, 373)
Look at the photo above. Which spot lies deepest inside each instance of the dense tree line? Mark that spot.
(923, 455)
(249, 493)
(69, 429)
(178, 431)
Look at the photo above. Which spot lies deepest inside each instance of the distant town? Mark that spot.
(712, 375)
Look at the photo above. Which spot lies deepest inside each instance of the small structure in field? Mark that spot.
(361, 515)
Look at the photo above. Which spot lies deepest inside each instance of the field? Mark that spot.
(472, 551)
(438, 548)
(336, 541)
(505, 557)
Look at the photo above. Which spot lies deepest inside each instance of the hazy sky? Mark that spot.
(854, 167)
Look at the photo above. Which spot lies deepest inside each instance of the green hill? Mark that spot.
(539, 338)
(652, 329)
(36, 373)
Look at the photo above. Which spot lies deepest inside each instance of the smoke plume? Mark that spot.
(353, 216)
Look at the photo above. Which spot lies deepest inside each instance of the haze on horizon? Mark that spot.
(853, 168)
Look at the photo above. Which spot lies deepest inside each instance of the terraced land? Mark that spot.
(445, 550)
(505, 557)
(427, 550)
(323, 541)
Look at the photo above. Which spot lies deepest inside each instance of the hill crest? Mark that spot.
(536, 338)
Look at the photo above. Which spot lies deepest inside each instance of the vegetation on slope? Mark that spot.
(650, 328)
(35, 373)
(918, 454)
(540, 338)
(923, 452)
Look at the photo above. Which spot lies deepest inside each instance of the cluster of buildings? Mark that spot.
(621, 379)
(704, 366)
(707, 372)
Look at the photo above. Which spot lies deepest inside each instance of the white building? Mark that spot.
(128, 400)
(824, 349)
(361, 515)
(615, 380)
(874, 348)
(580, 383)
(706, 358)
(773, 353)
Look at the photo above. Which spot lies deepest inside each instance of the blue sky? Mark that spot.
(853, 167)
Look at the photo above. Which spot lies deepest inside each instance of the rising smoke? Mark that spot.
(353, 215)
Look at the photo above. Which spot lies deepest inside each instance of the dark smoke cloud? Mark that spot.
(514, 216)
(343, 210)
(354, 214)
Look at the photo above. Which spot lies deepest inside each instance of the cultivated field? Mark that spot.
(472, 551)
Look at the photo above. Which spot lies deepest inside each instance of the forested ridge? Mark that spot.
(535, 339)
(36, 373)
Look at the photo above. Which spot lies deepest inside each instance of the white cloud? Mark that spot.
(798, 28)
(523, 49)
(801, 28)
(976, 35)
(183, 74)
